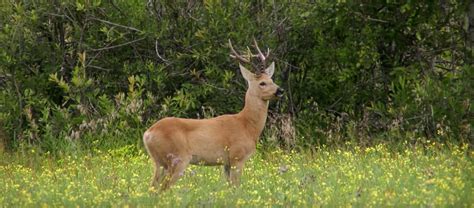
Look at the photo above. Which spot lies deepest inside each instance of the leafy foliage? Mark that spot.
(74, 71)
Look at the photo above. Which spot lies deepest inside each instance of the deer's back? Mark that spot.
(206, 138)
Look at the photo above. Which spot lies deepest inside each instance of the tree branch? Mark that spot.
(158, 54)
(117, 46)
(115, 24)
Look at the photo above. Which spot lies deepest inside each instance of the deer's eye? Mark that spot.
(263, 83)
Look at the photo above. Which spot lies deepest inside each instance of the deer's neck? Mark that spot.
(254, 114)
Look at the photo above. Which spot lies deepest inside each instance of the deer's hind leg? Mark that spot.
(157, 175)
(158, 172)
(151, 145)
(177, 166)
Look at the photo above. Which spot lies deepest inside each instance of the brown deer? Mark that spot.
(227, 140)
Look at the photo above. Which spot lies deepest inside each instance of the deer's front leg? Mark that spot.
(237, 158)
(227, 172)
(235, 172)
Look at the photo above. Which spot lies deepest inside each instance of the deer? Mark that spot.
(227, 140)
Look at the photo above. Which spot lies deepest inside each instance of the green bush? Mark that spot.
(100, 72)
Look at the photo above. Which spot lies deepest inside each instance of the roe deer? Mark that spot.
(227, 140)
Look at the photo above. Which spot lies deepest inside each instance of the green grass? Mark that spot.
(434, 175)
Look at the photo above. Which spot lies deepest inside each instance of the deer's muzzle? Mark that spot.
(279, 92)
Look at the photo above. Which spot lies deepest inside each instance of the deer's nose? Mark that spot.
(279, 92)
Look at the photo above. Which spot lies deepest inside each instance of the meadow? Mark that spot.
(410, 175)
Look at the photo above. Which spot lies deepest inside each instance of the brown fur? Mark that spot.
(227, 140)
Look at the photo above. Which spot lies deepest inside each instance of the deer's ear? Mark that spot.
(249, 76)
(269, 71)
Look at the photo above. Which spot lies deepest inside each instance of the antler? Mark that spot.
(247, 58)
(237, 55)
(260, 55)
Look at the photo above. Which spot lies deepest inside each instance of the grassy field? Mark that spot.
(433, 175)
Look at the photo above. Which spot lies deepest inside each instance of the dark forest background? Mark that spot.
(85, 73)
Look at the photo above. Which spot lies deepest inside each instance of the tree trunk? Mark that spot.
(470, 33)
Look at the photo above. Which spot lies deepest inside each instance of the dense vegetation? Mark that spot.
(77, 71)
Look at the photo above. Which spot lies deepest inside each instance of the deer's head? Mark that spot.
(260, 83)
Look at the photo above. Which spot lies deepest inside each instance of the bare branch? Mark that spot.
(98, 67)
(117, 46)
(61, 15)
(366, 17)
(115, 24)
(158, 54)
